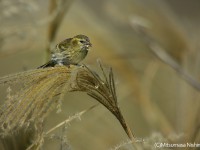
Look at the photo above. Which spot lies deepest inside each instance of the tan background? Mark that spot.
(152, 96)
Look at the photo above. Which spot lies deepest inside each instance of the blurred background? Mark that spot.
(155, 100)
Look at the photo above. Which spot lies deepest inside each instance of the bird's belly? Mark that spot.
(78, 58)
(67, 58)
(59, 58)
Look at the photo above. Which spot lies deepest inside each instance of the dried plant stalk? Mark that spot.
(70, 119)
(60, 7)
(36, 98)
(161, 54)
(103, 90)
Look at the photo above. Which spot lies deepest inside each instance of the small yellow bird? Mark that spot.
(70, 51)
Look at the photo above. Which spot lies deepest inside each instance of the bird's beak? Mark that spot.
(88, 45)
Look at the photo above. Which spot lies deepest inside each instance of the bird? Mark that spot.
(70, 51)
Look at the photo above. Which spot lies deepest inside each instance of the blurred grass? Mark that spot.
(143, 81)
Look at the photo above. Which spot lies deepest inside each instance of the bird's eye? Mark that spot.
(82, 41)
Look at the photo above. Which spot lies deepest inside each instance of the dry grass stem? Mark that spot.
(70, 119)
(57, 9)
(151, 111)
(103, 90)
(123, 145)
(157, 50)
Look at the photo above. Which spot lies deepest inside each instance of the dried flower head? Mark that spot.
(43, 90)
(103, 90)
(35, 99)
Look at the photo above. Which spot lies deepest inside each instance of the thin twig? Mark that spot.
(78, 115)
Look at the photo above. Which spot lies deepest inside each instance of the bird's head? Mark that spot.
(82, 42)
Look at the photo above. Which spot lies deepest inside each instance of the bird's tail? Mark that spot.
(51, 63)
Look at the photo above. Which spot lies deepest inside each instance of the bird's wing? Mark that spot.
(64, 45)
(51, 63)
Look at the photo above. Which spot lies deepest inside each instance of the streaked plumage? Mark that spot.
(70, 51)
